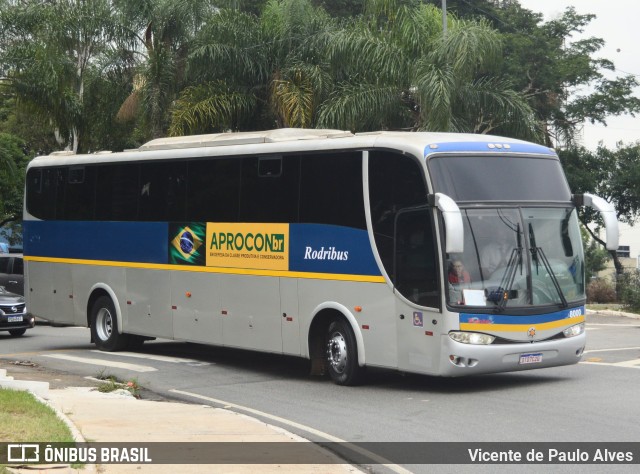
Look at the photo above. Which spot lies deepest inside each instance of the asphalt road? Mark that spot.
(594, 401)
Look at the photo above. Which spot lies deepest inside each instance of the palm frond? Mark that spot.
(490, 105)
(210, 107)
(363, 107)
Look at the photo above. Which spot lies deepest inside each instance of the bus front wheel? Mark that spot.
(104, 326)
(342, 354)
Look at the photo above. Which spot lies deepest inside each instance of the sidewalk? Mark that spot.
(118, 417)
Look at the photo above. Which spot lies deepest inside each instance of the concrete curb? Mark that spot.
(610, 312)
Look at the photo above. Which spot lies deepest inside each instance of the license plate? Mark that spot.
(14, 319)
(530, 358)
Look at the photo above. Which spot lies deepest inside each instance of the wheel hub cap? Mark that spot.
(337, 352)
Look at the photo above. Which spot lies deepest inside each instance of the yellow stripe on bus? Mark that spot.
(521, 327)
(202, 269)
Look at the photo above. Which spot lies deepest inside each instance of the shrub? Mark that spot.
(629, 290)
(600, 291)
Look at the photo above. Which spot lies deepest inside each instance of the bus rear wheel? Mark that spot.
(342, 354)
(104, 326)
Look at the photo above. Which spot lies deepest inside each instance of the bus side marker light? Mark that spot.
(428, 333)
(358, 309)
(188, 294)
(365, 326)
(223, 312)
(174, 307)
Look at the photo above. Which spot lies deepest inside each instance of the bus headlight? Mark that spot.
(471, 337)
(575, 330)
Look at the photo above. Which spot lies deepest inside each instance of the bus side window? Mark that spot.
(42, 192)
(415, 266)
(79, 194)
(396, 187)
(162, 194)
(331, 189)
(214, 187)
(269, 189)
(117, 192)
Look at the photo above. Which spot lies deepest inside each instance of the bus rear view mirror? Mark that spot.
(608, 214)
(454, 229)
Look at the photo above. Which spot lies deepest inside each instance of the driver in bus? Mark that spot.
(459, 279)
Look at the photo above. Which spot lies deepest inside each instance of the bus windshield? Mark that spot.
(487, 178)
(518, 257)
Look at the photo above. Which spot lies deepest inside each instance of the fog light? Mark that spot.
(471, 337)
(575, 330)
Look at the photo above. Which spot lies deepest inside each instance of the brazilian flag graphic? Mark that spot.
(186, 242)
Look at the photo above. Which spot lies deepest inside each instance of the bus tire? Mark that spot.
(104, 326)
(342, 354)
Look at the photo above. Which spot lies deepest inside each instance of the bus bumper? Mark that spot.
(468, 359)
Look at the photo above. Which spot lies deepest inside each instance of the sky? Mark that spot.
(616, 23)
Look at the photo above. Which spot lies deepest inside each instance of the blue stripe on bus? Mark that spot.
(331, 249)
(484, 147)
(471, 318)
(313, 248)
(142, 242)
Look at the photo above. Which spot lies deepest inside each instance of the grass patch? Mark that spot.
(25, 419)
(111, 383)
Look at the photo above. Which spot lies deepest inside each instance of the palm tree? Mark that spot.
(251, 72)
(390, 68)
(395, 69)
(164, 30)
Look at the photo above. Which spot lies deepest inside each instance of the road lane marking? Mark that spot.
(103, 362)
(628, 363)
(612, 349)
(624, 364)
(308, 429)
(614, 325)
(161, 358)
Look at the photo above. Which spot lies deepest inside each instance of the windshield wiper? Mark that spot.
(500, 295)
(539, 252)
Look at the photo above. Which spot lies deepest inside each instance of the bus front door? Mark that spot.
(415, 276)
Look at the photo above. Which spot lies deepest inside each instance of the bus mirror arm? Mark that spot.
(608, 213)
(452, 216)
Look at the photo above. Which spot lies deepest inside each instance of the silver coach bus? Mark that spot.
(441, 254)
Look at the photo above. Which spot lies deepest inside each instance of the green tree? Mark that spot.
(611, 174)
(250, 73)
(13, 162)
(396, 69)
(545, 61)
(391, 68)
(163, 30)
(595, 256)
(50, 51)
